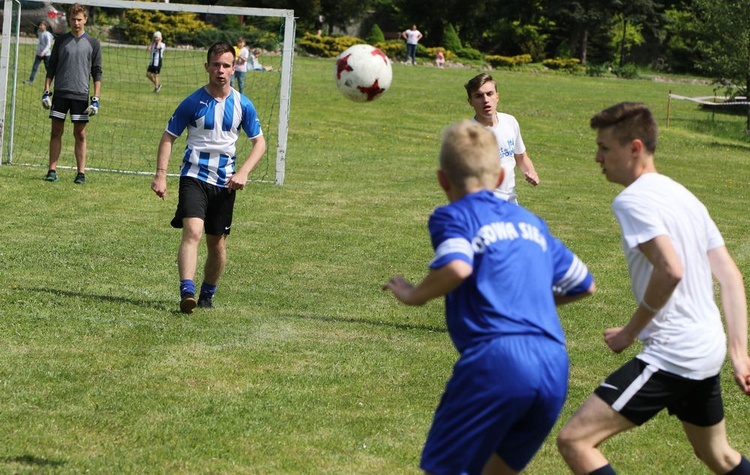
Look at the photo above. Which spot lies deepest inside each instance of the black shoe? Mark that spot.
(205, 302)
(51, 176)
(187, 304)
(80, 179)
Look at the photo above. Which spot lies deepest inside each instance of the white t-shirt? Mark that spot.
(686, 336)
(508, 135)
(241, 66)
(412, 36)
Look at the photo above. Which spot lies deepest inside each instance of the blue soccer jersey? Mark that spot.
(517, 265)
(213, 130)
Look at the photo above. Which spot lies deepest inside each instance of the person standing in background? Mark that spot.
(43, 50)
(412, 37)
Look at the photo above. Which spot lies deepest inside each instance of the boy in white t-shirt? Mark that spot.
(673, 251)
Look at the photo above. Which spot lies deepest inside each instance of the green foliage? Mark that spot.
(626, 71)
(392, 48)
(326, 46)
(497, 61)
(570, 65)
(470, 53)
(451, 41)
(633, 35)
(596, 70)
(375, 35)
(137, 26)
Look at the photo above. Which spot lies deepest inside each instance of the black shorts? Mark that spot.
(213, 204)
(638, 391)
(62, 105)
(154, 69)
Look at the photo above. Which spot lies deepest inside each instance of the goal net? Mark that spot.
(124, 135)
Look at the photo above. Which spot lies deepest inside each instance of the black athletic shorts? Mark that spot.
(62, 105)
(213, 204)
(154, 69)
(638, 391)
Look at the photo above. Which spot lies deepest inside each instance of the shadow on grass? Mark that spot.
(162, 305)
(35, 461)
(379, 323)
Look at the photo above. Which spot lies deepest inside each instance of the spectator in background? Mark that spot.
(412, 37)
(254, 62)
(156, 49)
(240, 64)
(43, 50)
(319, 24)
(439, 59)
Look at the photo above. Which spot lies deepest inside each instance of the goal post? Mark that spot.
(124, 136)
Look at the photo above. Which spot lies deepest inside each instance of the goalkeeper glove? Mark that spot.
(94, 107)
(46, 100)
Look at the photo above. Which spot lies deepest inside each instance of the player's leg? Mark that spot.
(216, 258)
(218, 225)
(187, 261)
(55, 141)
(701, 411)
(712, 447)
(594, 422)
(79, 132)
(496, 466)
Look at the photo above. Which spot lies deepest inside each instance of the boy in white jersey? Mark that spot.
(214, 117)
(483, 98)
(673, 249)
(156, 51)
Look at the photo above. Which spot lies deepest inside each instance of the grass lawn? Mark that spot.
(305, 366)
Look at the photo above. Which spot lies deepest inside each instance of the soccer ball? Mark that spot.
(363, 73)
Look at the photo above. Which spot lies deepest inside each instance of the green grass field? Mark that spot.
(305, 366)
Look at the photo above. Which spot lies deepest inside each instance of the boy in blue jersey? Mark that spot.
(502, 274)
(214, 117)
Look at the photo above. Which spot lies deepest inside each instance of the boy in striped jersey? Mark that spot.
(214, 117)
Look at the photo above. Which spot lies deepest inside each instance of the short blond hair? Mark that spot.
(469, 155)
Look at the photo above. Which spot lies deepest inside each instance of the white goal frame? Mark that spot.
(6, 153)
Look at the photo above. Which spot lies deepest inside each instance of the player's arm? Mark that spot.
(734, 304)
(524, 163)
(666, 274)
(239, 179)
(437, 283)
(159, 184)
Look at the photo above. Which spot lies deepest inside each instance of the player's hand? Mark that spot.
(237, 182)
(617, 339)
(400, 287)
(532, 178)
(742, 373)
(47, 100)
(159, 186)
(93, 108)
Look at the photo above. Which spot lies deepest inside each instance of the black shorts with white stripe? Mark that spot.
(638, 391)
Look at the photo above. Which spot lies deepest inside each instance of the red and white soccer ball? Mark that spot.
(363, 73)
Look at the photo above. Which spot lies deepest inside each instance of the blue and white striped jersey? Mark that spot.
(517, 267)
(213, 130)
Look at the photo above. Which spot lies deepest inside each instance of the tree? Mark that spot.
(725, 39)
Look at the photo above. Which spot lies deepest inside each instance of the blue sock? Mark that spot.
(742, 469)
(605, 470)
(187, 287)
(207, 290)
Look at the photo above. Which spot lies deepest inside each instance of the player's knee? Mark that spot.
(566, 442)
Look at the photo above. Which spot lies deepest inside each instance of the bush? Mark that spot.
(176, 27)
(470, 53)
(327, 46)
(451, 41)
(375, 36)
(596, 70)
(628, 71)
(570, 65)
(497, 61)
(392, 48)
